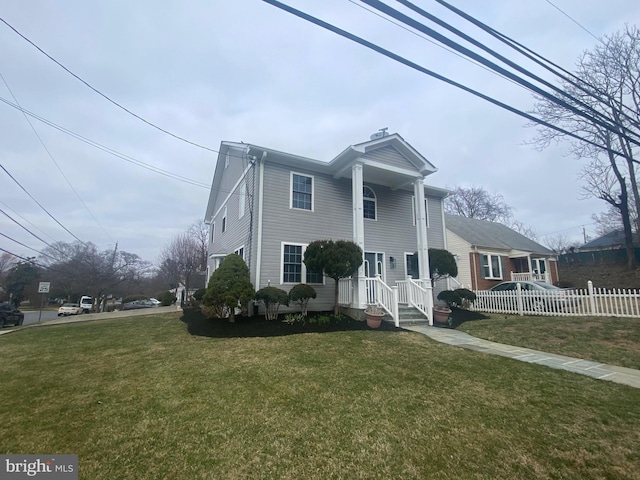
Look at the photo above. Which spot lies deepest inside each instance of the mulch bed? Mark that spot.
(199, 325)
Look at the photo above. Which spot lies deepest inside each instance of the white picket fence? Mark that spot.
(573, 302)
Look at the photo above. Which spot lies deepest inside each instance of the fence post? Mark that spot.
(519, 298)
(394, 308)
(592, 298)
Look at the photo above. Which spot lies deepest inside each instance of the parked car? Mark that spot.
(69, 309)
(155, 301)
(10, 315)
(138, 304)
(539, 296)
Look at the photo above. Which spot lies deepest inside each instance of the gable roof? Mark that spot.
(610, 240)
(482, 233)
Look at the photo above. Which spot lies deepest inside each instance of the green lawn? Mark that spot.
(142, 398)
(611, 340)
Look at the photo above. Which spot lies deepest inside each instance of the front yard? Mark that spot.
(152, 397)
(611, 340)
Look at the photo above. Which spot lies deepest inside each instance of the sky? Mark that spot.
(243, 70)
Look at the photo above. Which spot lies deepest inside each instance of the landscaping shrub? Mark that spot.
(467, 296)
(301, 294)
(272, 298)
(167, 298)
(133, 298)
(229, 288)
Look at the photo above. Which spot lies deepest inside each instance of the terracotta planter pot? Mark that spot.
(441, 314)
(374, 321)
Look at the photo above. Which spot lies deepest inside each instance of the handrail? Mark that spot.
(419, 297)
(379, 293)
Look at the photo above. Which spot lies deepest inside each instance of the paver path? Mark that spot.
(601, 371)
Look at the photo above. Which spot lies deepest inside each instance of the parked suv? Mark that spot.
(10, 315)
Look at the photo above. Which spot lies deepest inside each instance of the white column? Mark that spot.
(421, 229)
(359, 294)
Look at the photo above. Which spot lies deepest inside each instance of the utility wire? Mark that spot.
(104, 95)
(25, 246)
(426, 71)
(39, 204)
(565, 75)
(573, 20)
(600, 119)
(26, 117)
(27, 230)
(106, 149)
(29, 222)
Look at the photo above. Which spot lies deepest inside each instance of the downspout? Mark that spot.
(260, 208)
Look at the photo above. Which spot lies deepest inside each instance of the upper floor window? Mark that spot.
(240, 252)
(224, 220)
(491, 266)
(301, 191)
(369, 203)
(242, 200)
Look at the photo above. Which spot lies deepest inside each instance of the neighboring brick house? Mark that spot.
(267, 206)
(489, 253)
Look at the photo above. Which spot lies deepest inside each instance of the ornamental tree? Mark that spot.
(339, 259)
(229, 287)
(442, 264)
(301, 294)
(272, 298)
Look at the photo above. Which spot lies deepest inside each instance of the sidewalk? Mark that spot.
(601, 371)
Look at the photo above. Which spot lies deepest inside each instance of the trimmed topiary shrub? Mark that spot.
(301, 294)
(272, 298)
(467, 296)
(450, 297)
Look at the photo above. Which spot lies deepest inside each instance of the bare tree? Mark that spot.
(182, 258)
(7, 261)
(199, 231)
(476, 202)
(558, 243)
(609, 85)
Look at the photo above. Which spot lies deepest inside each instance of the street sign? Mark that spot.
(43, 287)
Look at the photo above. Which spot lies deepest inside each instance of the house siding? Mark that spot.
(460, 248)
(389, 156)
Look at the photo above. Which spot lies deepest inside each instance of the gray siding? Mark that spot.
(389, 156)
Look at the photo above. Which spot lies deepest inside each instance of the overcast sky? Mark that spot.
(243, 70)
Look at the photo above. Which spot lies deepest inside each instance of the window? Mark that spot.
(411, 265)
(242, 200)
(224, 220)
(491, 266)
(301, 192)
(369, 203)
(213, 231)
(539, 265)
(240, 251)
(413, 209)
(294, 269)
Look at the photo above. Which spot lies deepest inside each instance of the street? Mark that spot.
(32, 316)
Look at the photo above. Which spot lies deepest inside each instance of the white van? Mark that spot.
(86, 303)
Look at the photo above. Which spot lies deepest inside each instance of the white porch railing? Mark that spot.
(419, 294)
(577, 302)
(530, 277)
(345, 292)
(379, 293)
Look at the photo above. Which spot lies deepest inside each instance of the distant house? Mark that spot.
(267, 206)
(489, 253)
(607, 249)
(610, 241)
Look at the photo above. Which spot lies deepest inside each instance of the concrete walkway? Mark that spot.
(601, 371)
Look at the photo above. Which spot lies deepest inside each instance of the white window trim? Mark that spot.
(413, 209)
(237, 251)
(303, 271)
(242, 200)
(375, 204)
(313, 193)
(406, 271)
(489, 256)
(225, 222)
(383, 267)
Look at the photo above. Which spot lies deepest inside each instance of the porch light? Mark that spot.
(392, 262)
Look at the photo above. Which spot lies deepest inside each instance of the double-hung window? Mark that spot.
(491, 266)
(224, 220)
(301, 191)
(293, 268)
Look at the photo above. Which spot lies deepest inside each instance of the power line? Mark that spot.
(26, 220)
(178, 137)
(599, 118)
(27, 230)
(431, 73)
(53, 159)
(25, 246)
(104, 148)
(572, 19)
(40, 205)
